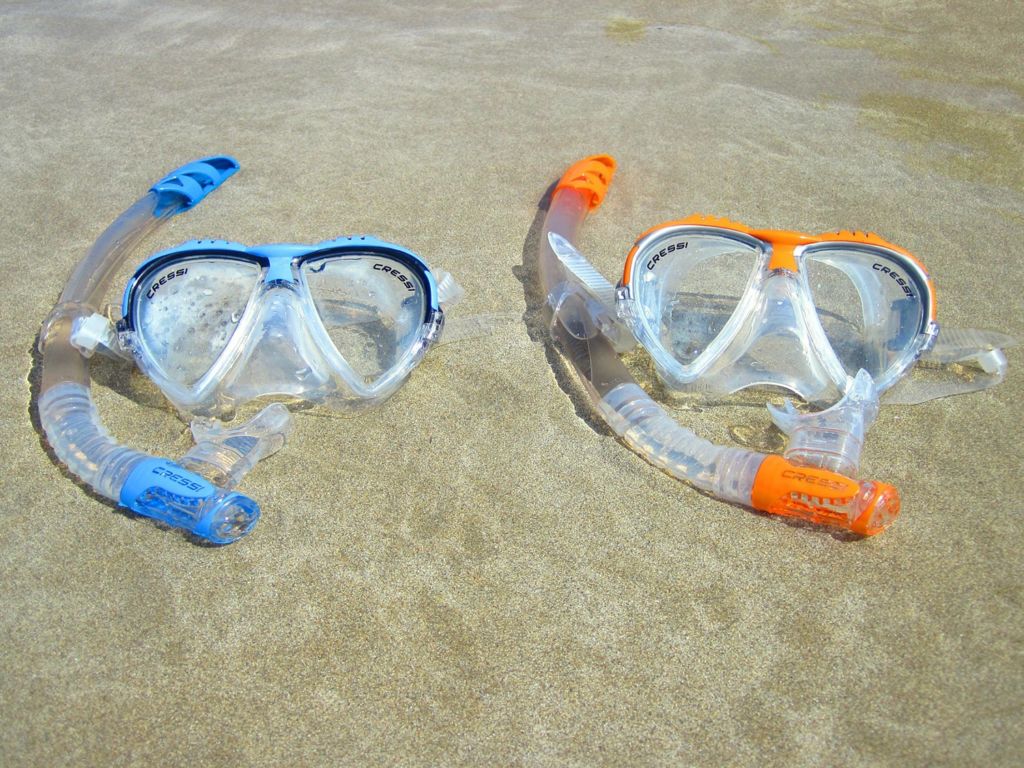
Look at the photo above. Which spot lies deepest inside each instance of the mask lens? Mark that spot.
(186, 312)
(870, 306)
(372, 306)
(689, 287)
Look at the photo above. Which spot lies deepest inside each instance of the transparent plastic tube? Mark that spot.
(767, 483)
(631, 412)
(86, 288)
(151, 486)
(728, 473)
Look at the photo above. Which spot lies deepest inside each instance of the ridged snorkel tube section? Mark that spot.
(766, 483)
(151, 486)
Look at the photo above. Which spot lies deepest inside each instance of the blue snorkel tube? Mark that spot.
(174, 493)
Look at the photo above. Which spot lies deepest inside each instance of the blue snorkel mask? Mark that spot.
(216, 324)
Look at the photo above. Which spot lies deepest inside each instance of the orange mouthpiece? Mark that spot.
(824, 497)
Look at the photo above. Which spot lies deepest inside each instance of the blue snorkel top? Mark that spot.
(189, 184)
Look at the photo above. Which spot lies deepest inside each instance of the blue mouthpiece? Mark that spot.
(188, 185)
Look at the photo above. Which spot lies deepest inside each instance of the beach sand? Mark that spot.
(477, 572)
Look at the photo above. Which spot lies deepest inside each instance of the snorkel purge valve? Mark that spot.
(585, 325)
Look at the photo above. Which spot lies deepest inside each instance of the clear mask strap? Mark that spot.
(449, 292)
(462, 328)
(962, 360)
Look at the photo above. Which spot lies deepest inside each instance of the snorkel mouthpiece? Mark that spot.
(226, 454)
(831, 439)
(823, 497)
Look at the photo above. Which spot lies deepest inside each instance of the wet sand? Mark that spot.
(477, 573)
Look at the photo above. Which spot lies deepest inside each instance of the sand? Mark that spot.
(477, 573)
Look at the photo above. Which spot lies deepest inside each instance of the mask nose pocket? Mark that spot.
(372, 307)
(774, 344)
(284, 358)
(186, 312)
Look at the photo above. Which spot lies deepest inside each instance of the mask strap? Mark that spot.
(449, 292)
(464, 328)
(962, 360)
